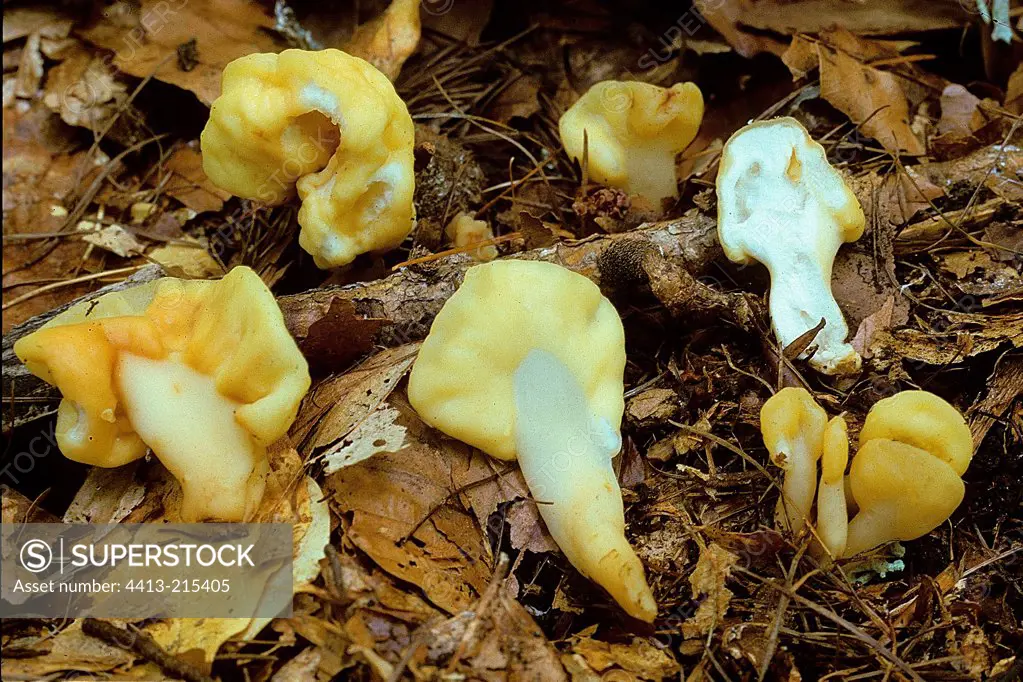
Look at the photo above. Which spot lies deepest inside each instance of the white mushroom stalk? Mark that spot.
(782, 204)
(526, 362)
(565, 453)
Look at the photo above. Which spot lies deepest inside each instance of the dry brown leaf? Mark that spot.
(708, 587)
(1014, 91)
(878, 321)
(653, 405)
(329, 331)
(20, 22)
(750, 26)
(959, 112)
(518, 99)
(389, 39)
(112, 238)
(301, 668)
(145, 39)
(971, 334)
(69, 649)
(871, 98)
(337, 405)
(189, 183)
(497, 641)
(83, 89)
(30, 69)
(488, 484)
(107, 495)
(640, 658)
(186, 261)
(463, 21)
(375, 434)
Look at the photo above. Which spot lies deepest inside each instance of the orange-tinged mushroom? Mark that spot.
(204, 373)
(924, 420)
(832, 511)
(525, 361)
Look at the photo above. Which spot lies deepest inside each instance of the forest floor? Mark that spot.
(438, 565)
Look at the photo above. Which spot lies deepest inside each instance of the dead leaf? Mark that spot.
(336, 406)
(463, 21)
(69, 649)
(519, 99)
(389, 39)
(107, 495)
(879, 321)
(185, 260)
(653, 405)
(301, 668)
(601, 659)
(189, 183)
(30, 70)
(83, 89)
(708, 587)
(145, 39)
(20, 22)
(377, 433)
(112, 238)
(871, 98)
(329, 331)
(959, 113)
(748, 24)
(1014, 91)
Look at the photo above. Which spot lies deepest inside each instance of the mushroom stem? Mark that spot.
(565, 453)
(800, 483)
(192, 429)
(797, 305)
(870, 528)
(832, 512)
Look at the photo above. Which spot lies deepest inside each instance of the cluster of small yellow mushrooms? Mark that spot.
(526, 360)
(905, 479)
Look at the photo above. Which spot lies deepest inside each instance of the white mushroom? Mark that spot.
(782, 204)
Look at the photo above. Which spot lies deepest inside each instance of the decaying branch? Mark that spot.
(400, 308)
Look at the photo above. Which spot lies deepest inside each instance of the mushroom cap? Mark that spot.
(331, 124)
(230, 330)
(626, 125)
(789, 415)
(913, 489)
(925, 421)
(835, 450)
(463, 380)
(775, 169)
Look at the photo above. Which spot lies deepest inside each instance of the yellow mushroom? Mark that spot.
(906, 476)
(202, 372)
(832, 511)
(329, 124)
(464, 230)
(782, 204)
(631, 131)
(525, 361)
(903, 493)
(793, 426)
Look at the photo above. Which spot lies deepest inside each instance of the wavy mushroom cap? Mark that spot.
(631, 131)
(203, 372)
(925, 421)
(463, 380)
(330, 124)
(792, 415)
